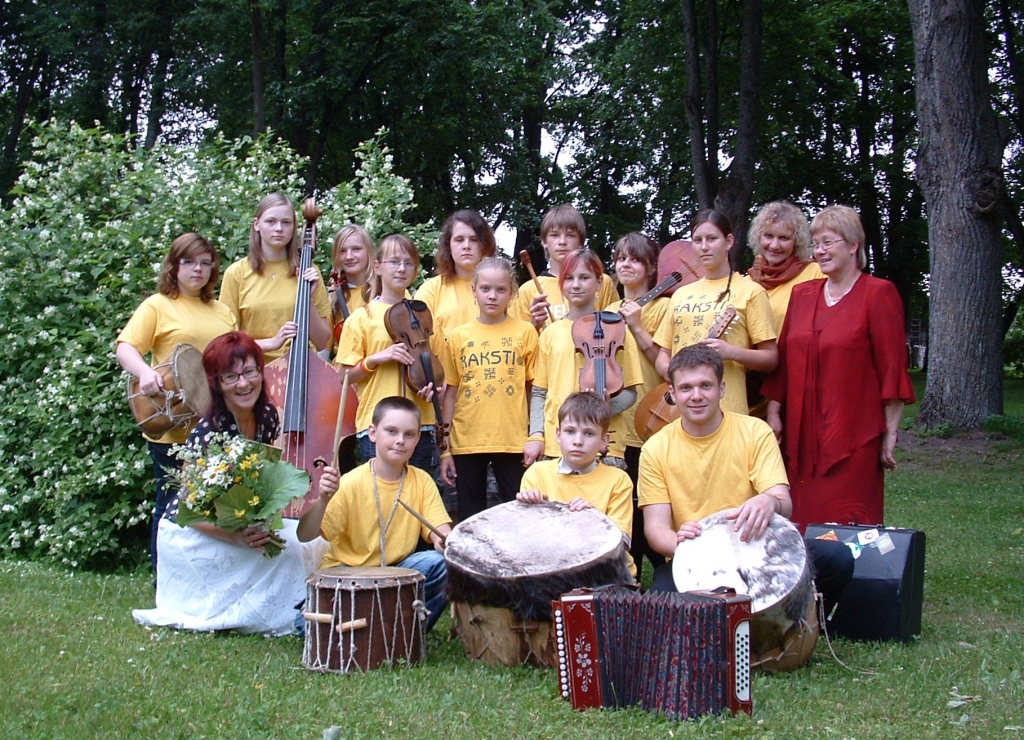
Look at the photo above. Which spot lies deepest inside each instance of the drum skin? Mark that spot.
(389, 600)
(774, 571)
(186, 396)
(508, 563)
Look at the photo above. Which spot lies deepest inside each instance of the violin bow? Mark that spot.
(528, 263)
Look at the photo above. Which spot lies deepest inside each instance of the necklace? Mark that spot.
(384, 526)
(830, 301)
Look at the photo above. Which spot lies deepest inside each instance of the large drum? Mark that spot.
(508, 563)
(360, 618)
(186, 393)
(773, 570)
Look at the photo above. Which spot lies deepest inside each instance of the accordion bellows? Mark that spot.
(682, 655)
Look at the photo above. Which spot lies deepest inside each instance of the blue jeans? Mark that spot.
(431, 565)
(162, 462)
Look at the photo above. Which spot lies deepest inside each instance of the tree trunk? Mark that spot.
(958, 170)
(259, 98)
(25, 84)
(157, 95)
(694, 105)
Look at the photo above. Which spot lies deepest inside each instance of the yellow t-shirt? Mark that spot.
(520, 307)
(365, 334)
(263, 303)
(558, 370)
(700, 476)
(351, 527)
(161, 323)
(490, 364)
(451, 302)
(694, 310)
(779, 295)
(651, 317)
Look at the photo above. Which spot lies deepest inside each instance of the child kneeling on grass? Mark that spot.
(360, 516)
(577, 478)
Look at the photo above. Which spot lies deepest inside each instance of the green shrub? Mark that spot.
(91, 219)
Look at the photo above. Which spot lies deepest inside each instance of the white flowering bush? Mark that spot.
(92, 217)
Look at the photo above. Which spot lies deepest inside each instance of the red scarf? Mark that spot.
(772, 276)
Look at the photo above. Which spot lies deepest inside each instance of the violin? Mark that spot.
(308, 388)
(598, 337)
(658, 409)
(339, 308)
(678, 256)
(410, 322)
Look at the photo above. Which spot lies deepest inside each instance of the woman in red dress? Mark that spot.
(839, 390)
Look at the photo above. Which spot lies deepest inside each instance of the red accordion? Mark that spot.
(680, 654)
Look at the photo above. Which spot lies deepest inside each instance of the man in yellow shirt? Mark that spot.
(360, 516)
(714, 460)
(577, 478)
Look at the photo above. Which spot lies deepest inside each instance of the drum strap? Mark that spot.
(384, 526)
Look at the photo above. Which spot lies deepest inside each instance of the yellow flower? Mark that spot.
(239, 513)
(254, 501)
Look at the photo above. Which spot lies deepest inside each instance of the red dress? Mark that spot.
(837, 367)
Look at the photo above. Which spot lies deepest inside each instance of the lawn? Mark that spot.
(75, 665)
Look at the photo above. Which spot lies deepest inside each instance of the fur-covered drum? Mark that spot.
(774, 571)
(186, 393)
(360, 618)
(508, 563)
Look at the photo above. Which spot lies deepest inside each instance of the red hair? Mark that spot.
(580, 258)
(222, 354)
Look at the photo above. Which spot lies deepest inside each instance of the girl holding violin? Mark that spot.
(489, 365)
(348, 287)
(636, 267)
(749, 342)
(466, 238)
(260, 289)
(560, 360)
(375, 361)
(182, 311)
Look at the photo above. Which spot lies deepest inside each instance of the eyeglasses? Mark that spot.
(407, 264)
(189, 264)
(826, 243)
(249, 373)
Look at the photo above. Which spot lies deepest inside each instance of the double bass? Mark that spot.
(307, 388)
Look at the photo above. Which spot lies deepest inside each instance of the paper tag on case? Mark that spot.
(866, 537)
(885, 544)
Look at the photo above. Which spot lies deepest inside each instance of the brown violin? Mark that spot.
(657, 409)
(599, 337)
(339, 307)
(410, 322)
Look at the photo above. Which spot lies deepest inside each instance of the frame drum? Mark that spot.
(774, 571)
(186, 393)
(359, 618)
(508, 563)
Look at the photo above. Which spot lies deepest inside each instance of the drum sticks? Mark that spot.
(422, 520)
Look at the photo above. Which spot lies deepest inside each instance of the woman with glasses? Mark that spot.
(182, 311)
(841, 384)
(260, 288)
(209, 578)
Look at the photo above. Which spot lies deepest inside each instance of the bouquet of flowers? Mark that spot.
(236, 483)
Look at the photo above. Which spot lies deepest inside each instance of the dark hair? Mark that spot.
(188, 246)
(581, 257)
(721, 222)
(642, 248)
(484, 234)
(222, 354)
(586, 407)
(395, 403)
(257, 260)
(696, 355)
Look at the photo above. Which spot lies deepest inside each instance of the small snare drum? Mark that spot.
(360, 618)
(773, 570)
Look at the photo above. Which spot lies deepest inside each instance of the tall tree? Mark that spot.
(958, 169)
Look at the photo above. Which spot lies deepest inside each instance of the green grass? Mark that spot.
(73, 664)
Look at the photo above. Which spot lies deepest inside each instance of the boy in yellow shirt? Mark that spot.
(577, 478)
(360, 516)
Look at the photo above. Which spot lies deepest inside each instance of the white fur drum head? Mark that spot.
(515, 540)
(767, 569)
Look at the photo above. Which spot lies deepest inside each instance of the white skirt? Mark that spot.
(205, 584)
